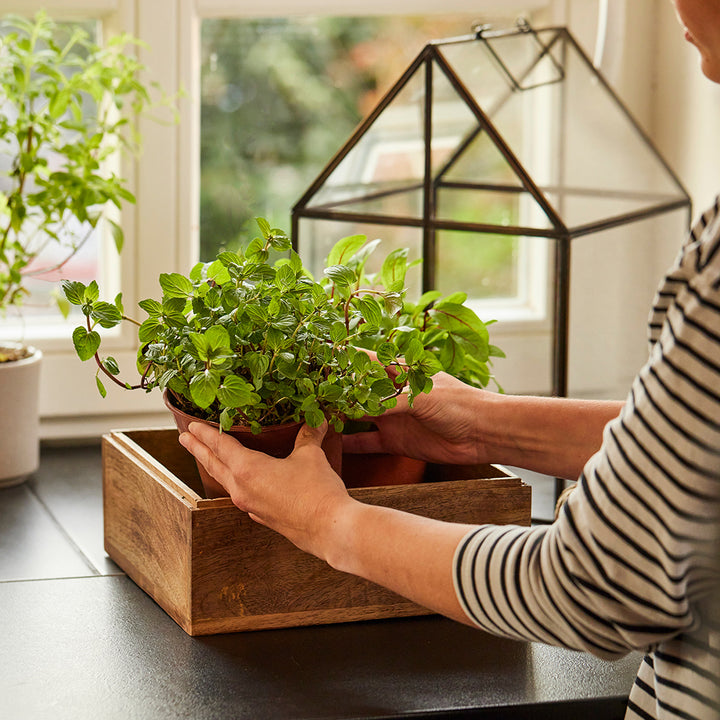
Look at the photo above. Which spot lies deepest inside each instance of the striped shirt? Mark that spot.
(632, 561)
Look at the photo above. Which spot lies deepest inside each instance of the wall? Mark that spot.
(655, 72)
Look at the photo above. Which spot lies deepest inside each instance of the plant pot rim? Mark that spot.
(33, 356)
(167, 397)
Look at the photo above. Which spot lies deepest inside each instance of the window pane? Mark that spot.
(280, 97)
(77, 253)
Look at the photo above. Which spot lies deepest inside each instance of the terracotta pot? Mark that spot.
(276, 440)
(19, 419)
(376, 469)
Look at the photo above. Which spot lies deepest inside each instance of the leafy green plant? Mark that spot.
(241, 340)
(65, 107)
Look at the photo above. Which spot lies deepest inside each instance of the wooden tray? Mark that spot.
(213, 570)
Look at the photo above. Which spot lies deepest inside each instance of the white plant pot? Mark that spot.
(19, 419)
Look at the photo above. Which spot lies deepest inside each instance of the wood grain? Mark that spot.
(214, 570)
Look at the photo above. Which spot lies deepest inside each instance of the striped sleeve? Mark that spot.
(634, 554)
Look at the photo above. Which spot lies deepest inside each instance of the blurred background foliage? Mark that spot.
(280, 97)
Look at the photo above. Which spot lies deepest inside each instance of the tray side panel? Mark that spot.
(146, 530)
(247, 577)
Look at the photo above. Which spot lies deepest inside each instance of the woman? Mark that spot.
(631, 563)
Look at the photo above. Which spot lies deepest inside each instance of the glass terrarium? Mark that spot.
(489, 147)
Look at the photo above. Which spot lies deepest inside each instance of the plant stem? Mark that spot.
(102, 367)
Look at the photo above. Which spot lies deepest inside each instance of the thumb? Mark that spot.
(308, 436)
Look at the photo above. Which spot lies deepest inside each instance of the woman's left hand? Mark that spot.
(299, 496)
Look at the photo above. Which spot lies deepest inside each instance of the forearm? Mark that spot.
(408, 554)
(555, 436)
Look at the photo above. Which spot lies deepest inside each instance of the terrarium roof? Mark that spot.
(504, 131)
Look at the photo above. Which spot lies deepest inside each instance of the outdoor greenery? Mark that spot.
(65, 103)
(281, 96)
(244, 340)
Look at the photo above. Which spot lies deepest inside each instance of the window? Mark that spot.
(81, 252)
(173, 183)
(280, 96)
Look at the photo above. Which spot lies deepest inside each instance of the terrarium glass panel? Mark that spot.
(388, 161)
(487, 148)
(569, 132)
(510, 129)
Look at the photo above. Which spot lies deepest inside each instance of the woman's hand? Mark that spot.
(299, 496)
(458, 424)
(304, 500)
(442, 426)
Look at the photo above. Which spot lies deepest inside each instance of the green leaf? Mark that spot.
(330, 392)
(86, 342)
(234, 392)
(344, 249)
(427, 299)
(393, 302)
(217, 338)
(149, 330)
(174, 306)
(394, 268)
(383, 387)
(457, 298)
(151, 307)
(370, 309)
(387, 353)
(258, 364)
(117, 235)
(414, 351)
(100, 387)
(361, 361)
(92, 292)
(465, 326)
(279, 241)
(452, 357)
(166, 377)
(285, 277)
(74, 291)
(203, 388)
(175, 285)
(338, 332)
(227, 418)
(258, 313)
(218, 273)
(264, 226)
(314, 417)
(201, 345)
(296, 262)
(111, 365)
(341, 275)
(106, 314)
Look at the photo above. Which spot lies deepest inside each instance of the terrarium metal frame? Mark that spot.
(559, 231)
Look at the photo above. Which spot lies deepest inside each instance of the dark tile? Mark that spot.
(32, 545)
(69, 484)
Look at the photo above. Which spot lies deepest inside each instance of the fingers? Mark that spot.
(216, 451)
(363, 442)
(308, 436)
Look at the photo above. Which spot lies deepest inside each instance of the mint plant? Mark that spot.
(241, 340)
(65, 106)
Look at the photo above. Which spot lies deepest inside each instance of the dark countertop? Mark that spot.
(80, 640)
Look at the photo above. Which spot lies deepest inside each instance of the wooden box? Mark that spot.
(213, 570)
